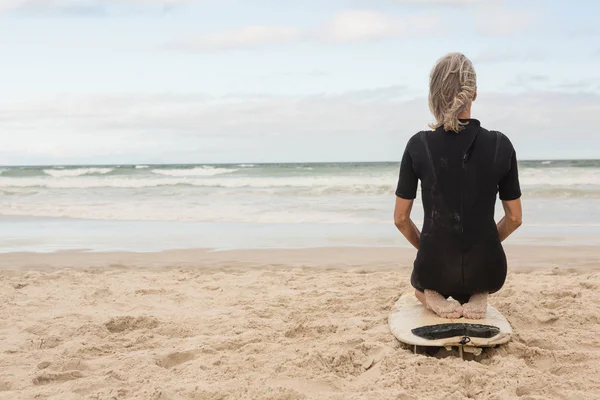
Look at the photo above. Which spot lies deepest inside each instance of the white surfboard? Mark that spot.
(409, 314)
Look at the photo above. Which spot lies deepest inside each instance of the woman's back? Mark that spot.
(461, 175)
(462, 168)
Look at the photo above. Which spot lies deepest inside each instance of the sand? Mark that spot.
(277, 324)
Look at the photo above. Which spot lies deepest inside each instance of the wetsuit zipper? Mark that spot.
(462, 190)
(465, 159)
(462, 226)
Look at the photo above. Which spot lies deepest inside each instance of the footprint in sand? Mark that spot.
(129, 323)
(174, 359)
(147, 292)
(50, 377)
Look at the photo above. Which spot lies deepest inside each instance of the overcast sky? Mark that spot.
(194, 81)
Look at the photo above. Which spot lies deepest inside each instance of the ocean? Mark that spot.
(160, 207)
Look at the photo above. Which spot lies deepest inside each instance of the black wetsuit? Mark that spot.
(461, 174)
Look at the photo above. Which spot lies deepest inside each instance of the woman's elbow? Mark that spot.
(516, 220)
(400, 221)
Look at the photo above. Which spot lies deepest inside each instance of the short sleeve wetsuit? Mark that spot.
(461, 175)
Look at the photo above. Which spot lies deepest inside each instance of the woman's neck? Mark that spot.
(466, 113)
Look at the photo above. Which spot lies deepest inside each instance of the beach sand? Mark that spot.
(280, 325)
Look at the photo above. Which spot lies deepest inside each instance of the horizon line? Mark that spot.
(257, 163)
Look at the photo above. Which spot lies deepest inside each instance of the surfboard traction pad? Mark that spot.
(413, 324)
(443, 331)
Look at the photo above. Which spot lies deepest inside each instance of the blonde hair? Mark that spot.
(452, 86)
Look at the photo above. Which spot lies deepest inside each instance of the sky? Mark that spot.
(199, 81)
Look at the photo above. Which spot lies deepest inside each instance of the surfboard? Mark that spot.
(413, 324)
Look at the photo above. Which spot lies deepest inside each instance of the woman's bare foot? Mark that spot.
(476, 307)
(438, 304)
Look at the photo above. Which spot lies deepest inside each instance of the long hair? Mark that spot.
(452, 85)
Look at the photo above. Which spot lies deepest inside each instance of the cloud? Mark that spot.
(346, 26)
(360, 25)
(58, 5)
(579, 86)
(352, 26)
(528, 81)
(251, 36)
(440, 2)
(582, 32)
(85, 6)
(496, 21)
(495, 55)
(178, 127)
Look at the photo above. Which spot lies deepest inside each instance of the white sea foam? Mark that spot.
(198, 171)
(316, 184)
(228, 209)
(156, 211)
(269, 194)
(61, 173)
(142, 166)
(559, 181)
(559, 176)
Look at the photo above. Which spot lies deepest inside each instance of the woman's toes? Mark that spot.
(474, 310)
(459, 310)
(473, 315)
(452, 315)
(455, 306)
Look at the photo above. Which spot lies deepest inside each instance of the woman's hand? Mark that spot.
(404, 223)
(513, 218)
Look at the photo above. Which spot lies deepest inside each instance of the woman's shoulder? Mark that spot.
(419, 136)
(416, 142)
(500, 141)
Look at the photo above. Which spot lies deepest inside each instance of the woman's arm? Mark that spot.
(513, 218)
(404, 223)
(509, 190)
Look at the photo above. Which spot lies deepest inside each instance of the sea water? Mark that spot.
(158, 207)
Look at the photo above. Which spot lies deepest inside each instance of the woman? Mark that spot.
(462, 167)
